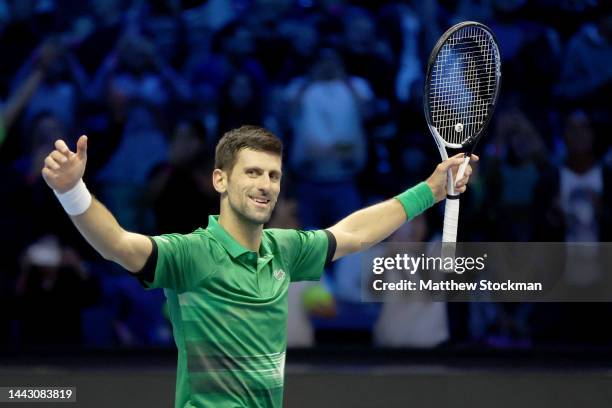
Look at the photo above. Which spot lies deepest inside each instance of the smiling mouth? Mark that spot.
(260, 202)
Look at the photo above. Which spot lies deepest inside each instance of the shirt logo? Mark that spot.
(279, 274)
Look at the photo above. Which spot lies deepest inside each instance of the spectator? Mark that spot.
(146, 87)
(586, 68)
(586, 74)
(52, 290)
(367, 55)
(184, 178)
(13, 107)
(240, 103)
(141, 149)
(514, 174)
(20, 35)
(165, 25)
(64, 83)
(304, 40)
(529, 50)
(98, 32)
(134, 68)
(576, 209)
(232, 51)
(264, 19)
(409, 76)
(329, 146)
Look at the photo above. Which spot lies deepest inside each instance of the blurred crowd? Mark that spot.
(155, 83)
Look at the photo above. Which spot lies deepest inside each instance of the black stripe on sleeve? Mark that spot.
(331, 247)
(147, 273)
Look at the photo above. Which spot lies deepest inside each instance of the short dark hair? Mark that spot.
(245, 137)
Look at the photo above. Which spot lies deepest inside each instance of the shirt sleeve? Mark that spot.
(305, 252)
(175, 267)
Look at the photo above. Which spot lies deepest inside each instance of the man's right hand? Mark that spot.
(437, 180)
(63, 168)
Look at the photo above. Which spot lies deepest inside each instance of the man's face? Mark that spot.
(579, 135)
(254, 184)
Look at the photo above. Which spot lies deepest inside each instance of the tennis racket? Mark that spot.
(461, 89)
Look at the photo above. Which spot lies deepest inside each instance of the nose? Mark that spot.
(264, 183)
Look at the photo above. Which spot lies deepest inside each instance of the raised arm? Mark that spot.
(21, 96)
(63, 172)
(28, 79)
(369, 226)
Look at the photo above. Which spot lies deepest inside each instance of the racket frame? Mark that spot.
(467, 146)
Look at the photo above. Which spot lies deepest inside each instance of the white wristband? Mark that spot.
(76, 200)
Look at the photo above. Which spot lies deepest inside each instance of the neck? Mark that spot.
(580, 163)
(244, 232)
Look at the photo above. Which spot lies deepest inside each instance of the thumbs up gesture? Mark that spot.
(64, 168)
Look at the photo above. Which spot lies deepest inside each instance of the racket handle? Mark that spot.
(451, 220)
(462, 168)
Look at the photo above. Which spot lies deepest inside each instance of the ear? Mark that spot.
(219, 179)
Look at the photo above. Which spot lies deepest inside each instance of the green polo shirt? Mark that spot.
(228, 307)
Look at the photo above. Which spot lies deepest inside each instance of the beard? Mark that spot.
(246, 211)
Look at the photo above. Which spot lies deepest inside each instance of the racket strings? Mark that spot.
(463, 83)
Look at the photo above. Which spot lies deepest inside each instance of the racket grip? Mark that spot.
(462, 168)
(451, 220)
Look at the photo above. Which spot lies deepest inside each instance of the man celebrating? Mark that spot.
(227, 284)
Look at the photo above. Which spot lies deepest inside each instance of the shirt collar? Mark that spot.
(228, 242)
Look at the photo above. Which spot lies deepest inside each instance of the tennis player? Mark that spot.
(226, 285)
